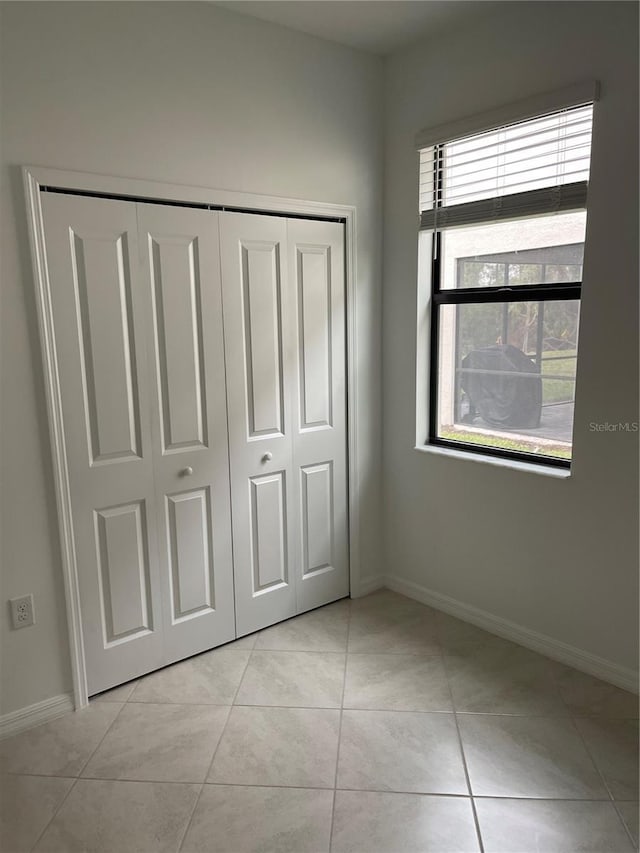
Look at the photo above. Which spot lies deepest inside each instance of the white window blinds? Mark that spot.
(536, 166)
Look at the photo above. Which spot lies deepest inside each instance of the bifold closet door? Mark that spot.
(283, 296)
(181, 267)
(172, 419)
(316, 272)
(100, 309)
(260, 351)
(137, 315)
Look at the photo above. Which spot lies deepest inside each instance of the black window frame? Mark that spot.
(542, 293)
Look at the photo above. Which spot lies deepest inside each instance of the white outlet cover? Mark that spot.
(22, 614)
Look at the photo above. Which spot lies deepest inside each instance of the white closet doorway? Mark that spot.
(200, 363)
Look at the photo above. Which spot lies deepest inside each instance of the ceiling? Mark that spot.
(378, 26)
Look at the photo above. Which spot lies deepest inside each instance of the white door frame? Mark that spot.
(37, 177)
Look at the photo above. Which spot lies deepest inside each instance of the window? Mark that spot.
(503, 213)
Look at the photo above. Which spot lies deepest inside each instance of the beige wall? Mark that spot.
(556, 556)
(177, 92)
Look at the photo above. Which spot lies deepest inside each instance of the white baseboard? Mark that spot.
(34, 715)
(368, 585)
(571, 655)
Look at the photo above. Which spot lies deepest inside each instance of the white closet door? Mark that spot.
(284, 313)
(181, 264)
(260, 351)
(316, 270)
(99, 309)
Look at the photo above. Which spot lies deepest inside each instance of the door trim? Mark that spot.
(35, 178)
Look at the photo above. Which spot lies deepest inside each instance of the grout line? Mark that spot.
(231, 707)
(109, 727)
(57, 811)
(244, 704)
(333, 811)
(420, 654)
(464, 759)
(184, 782)
(542, 799)
(399, 793)
(6, 773)
(354, 708)
(297, 651)
(593, 761)
(634, 844)
(344, 685)
(557, 673)
(475, 797)
(215, 752)
(160, 703)
(511, 714)
(268, 785)
(340, 708)
(604, 718)
(190, 821)
(76, 778)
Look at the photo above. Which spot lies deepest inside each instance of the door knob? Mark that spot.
(186, 472)
(268, 456)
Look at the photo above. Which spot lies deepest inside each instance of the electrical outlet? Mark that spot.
(22, 611)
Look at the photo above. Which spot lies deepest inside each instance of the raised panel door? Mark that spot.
(259, 348)
(181, 264)
(319, 452)
(99, 309)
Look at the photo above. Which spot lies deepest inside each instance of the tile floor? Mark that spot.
(372, 725)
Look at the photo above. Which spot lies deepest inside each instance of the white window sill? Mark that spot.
(514, 464)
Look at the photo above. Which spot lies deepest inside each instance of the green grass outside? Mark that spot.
(561, 389)
(557, 451)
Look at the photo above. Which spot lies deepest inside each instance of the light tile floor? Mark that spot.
(378, 725)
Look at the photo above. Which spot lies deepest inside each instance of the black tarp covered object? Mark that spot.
(503, 385)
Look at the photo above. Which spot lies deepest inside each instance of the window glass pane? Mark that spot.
(563, 272)
(525, 251)
(479, 273)
(523, 273)
(507, 375)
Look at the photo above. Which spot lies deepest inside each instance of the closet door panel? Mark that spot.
(316, 266)
(99, 310)
(124, 571)
(190, 557)
(317, 521)
(262, 336)
(268, 530)
(177, 294)
(259, 346)
(315, 372)
(180, 257)
(105, 329)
